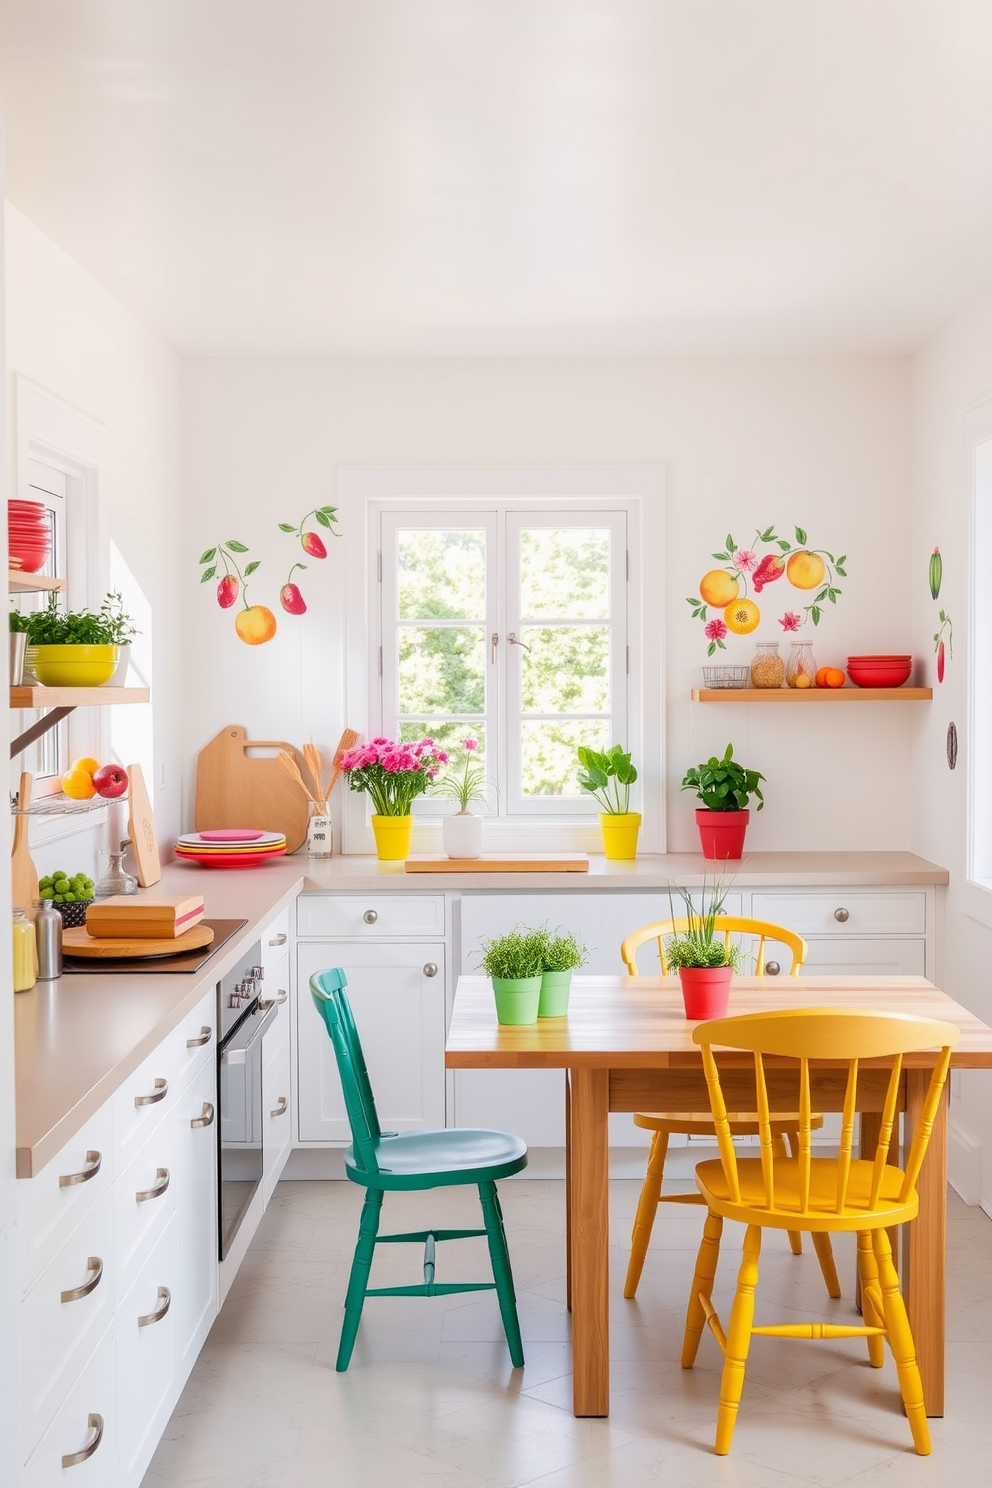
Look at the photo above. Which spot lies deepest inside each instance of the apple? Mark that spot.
(110, 781)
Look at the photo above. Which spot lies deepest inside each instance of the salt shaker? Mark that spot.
(48, 930)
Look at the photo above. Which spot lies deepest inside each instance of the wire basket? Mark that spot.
(726, 676)
(73, 914)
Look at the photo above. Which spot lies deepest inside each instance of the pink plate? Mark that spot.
(232, 834)
(229, 860)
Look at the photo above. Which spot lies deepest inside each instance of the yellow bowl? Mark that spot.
(74, 666)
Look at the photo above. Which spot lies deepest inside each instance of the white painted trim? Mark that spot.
(644, 486)
(976, 894)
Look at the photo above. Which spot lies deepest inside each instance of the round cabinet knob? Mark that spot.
(430, 970)
(370, 916)
(772, 968)
(841, 915)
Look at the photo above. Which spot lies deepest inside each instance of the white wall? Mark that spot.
(747, 443)
(68, 334)
(951, 374)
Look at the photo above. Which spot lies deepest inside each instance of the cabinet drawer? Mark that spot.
(845, 912)
(277, 1123)
(147, 1097)
(370, 916)
(147, 1356)
(63, 1316)
(275, 939)
(51, 1204)
(197, 1038)
(86, 1424)
(144, 1202)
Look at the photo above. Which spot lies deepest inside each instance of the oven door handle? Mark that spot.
(241, 1042)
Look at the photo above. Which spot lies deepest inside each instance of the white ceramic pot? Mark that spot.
(123, 662)
(462, 834)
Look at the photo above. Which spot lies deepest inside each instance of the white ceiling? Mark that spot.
(511, 177)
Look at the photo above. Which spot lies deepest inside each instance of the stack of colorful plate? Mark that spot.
(230, 847)
(29, 534)
(884, 670)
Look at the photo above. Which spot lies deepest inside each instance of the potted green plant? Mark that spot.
(123, 629)
(464, 781)
(75, 648)
(561, 954)
(608, 775)
(704, 959)
(393, 774)
(71, 895)
(514, 962)
(724, 786)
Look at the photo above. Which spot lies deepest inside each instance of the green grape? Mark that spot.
(46, 892)
(69, 898)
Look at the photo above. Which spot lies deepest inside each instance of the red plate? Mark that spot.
(232, 834)
(230, 860)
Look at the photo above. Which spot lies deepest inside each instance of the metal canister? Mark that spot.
(48, 929)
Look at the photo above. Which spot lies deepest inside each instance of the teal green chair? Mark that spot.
(379, 1161)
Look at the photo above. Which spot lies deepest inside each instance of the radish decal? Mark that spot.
(938, 643)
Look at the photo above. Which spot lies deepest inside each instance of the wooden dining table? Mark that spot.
(626, 1045)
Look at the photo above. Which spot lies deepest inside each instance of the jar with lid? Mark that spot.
(800, 669)
(25, 952)
(767, 666)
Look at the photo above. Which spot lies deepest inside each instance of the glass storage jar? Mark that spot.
(25, 952)
(800, 670)
(767, 667)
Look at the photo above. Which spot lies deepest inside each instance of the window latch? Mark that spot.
(493, 643)
(514, 642)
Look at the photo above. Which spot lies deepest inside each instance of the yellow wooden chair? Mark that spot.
(821, 1195)
(664, 1124)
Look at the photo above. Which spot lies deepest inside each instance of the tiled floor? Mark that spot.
(430, 1397)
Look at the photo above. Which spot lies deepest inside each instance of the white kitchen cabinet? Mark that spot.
(396, 985)
(147, 1357)
(80, 1446)
(196, 1211)
(276, 1119)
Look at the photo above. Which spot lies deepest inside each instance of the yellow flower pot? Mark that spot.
(392, 837)
(74, 666)
(620, 831)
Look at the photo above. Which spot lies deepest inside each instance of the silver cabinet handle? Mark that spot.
(206, 1119)
(370, 916)
(146, 1319)
(159, 1094)
(282, 1107)
(95, 1422)
(278, 940)
(841, 915)
(95, 1266)
(430, 969)
(94, 1161)
(772, 968)
(205, 1036)
(282, 996)
(158, 1189)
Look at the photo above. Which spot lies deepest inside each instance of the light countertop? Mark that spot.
(79, 1037)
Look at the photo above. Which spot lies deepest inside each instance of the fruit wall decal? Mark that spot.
(255, 623)
(726, 589)
(936, 572)
(938, 642)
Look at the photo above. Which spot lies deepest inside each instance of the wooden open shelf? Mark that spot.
(19, 582)
(812, 694)
(75, 697)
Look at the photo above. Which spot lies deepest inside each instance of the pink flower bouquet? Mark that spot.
(393, 774)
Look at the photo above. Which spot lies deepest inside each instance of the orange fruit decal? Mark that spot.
(255, 625)
(742, 616)
(718, 588)
(805, 570)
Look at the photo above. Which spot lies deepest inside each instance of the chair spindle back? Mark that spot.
(327, 989)
(758, 931)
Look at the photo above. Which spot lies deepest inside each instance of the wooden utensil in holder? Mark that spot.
(23, 875)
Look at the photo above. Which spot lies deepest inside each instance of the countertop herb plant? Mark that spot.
(517, 953)
(724, 784)
(607, 775)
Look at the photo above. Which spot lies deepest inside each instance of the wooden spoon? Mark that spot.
(23, 876)
(347, 741)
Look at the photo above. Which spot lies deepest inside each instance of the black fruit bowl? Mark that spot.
(73, 914)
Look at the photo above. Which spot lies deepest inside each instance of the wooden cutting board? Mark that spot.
(23, 877)
(521, 863)
(141, 829)
(235, 790)
(76, 942)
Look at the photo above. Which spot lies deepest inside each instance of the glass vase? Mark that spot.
(115, 880)
(800, 670)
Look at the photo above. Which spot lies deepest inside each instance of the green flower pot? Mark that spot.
(517, 999)
(555, 987)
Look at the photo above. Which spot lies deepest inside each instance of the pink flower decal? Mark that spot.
(715, 630)
(744, 559)
(790, 620)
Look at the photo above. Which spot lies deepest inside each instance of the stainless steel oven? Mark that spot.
(242, 1019)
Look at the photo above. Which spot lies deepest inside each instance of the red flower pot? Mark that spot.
(722, 832)
(705, 991)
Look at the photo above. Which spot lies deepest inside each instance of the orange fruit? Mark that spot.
(718, 588)
(87, 763)
(821, 677)
(805, 570)
(742, 616)
(834, 677)
(78, 784)
(256, 625)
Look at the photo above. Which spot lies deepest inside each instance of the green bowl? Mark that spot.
(73, 666)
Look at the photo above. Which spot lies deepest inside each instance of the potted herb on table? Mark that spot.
(607, 776)
(724, 786)
(514, 961)
(703, 957)
(561, 954)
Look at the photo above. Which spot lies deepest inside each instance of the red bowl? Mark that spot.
(879, 675)
(870, 660)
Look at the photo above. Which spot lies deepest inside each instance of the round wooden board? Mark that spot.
(76, 942)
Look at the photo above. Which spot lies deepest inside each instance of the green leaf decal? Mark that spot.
(251, 567)
(800, 537)
(208, 556)
(814, 615)
(235, 547)
(208, 573)
(286, 527)
(731, 545)
(783, 544)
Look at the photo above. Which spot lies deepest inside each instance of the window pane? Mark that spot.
(442, 670)
(565, 573)
(549, 755)
(566, 670)
(442, 575)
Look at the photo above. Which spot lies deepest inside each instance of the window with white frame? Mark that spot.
(504, 610)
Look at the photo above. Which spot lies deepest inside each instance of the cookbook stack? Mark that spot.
(233, 847)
